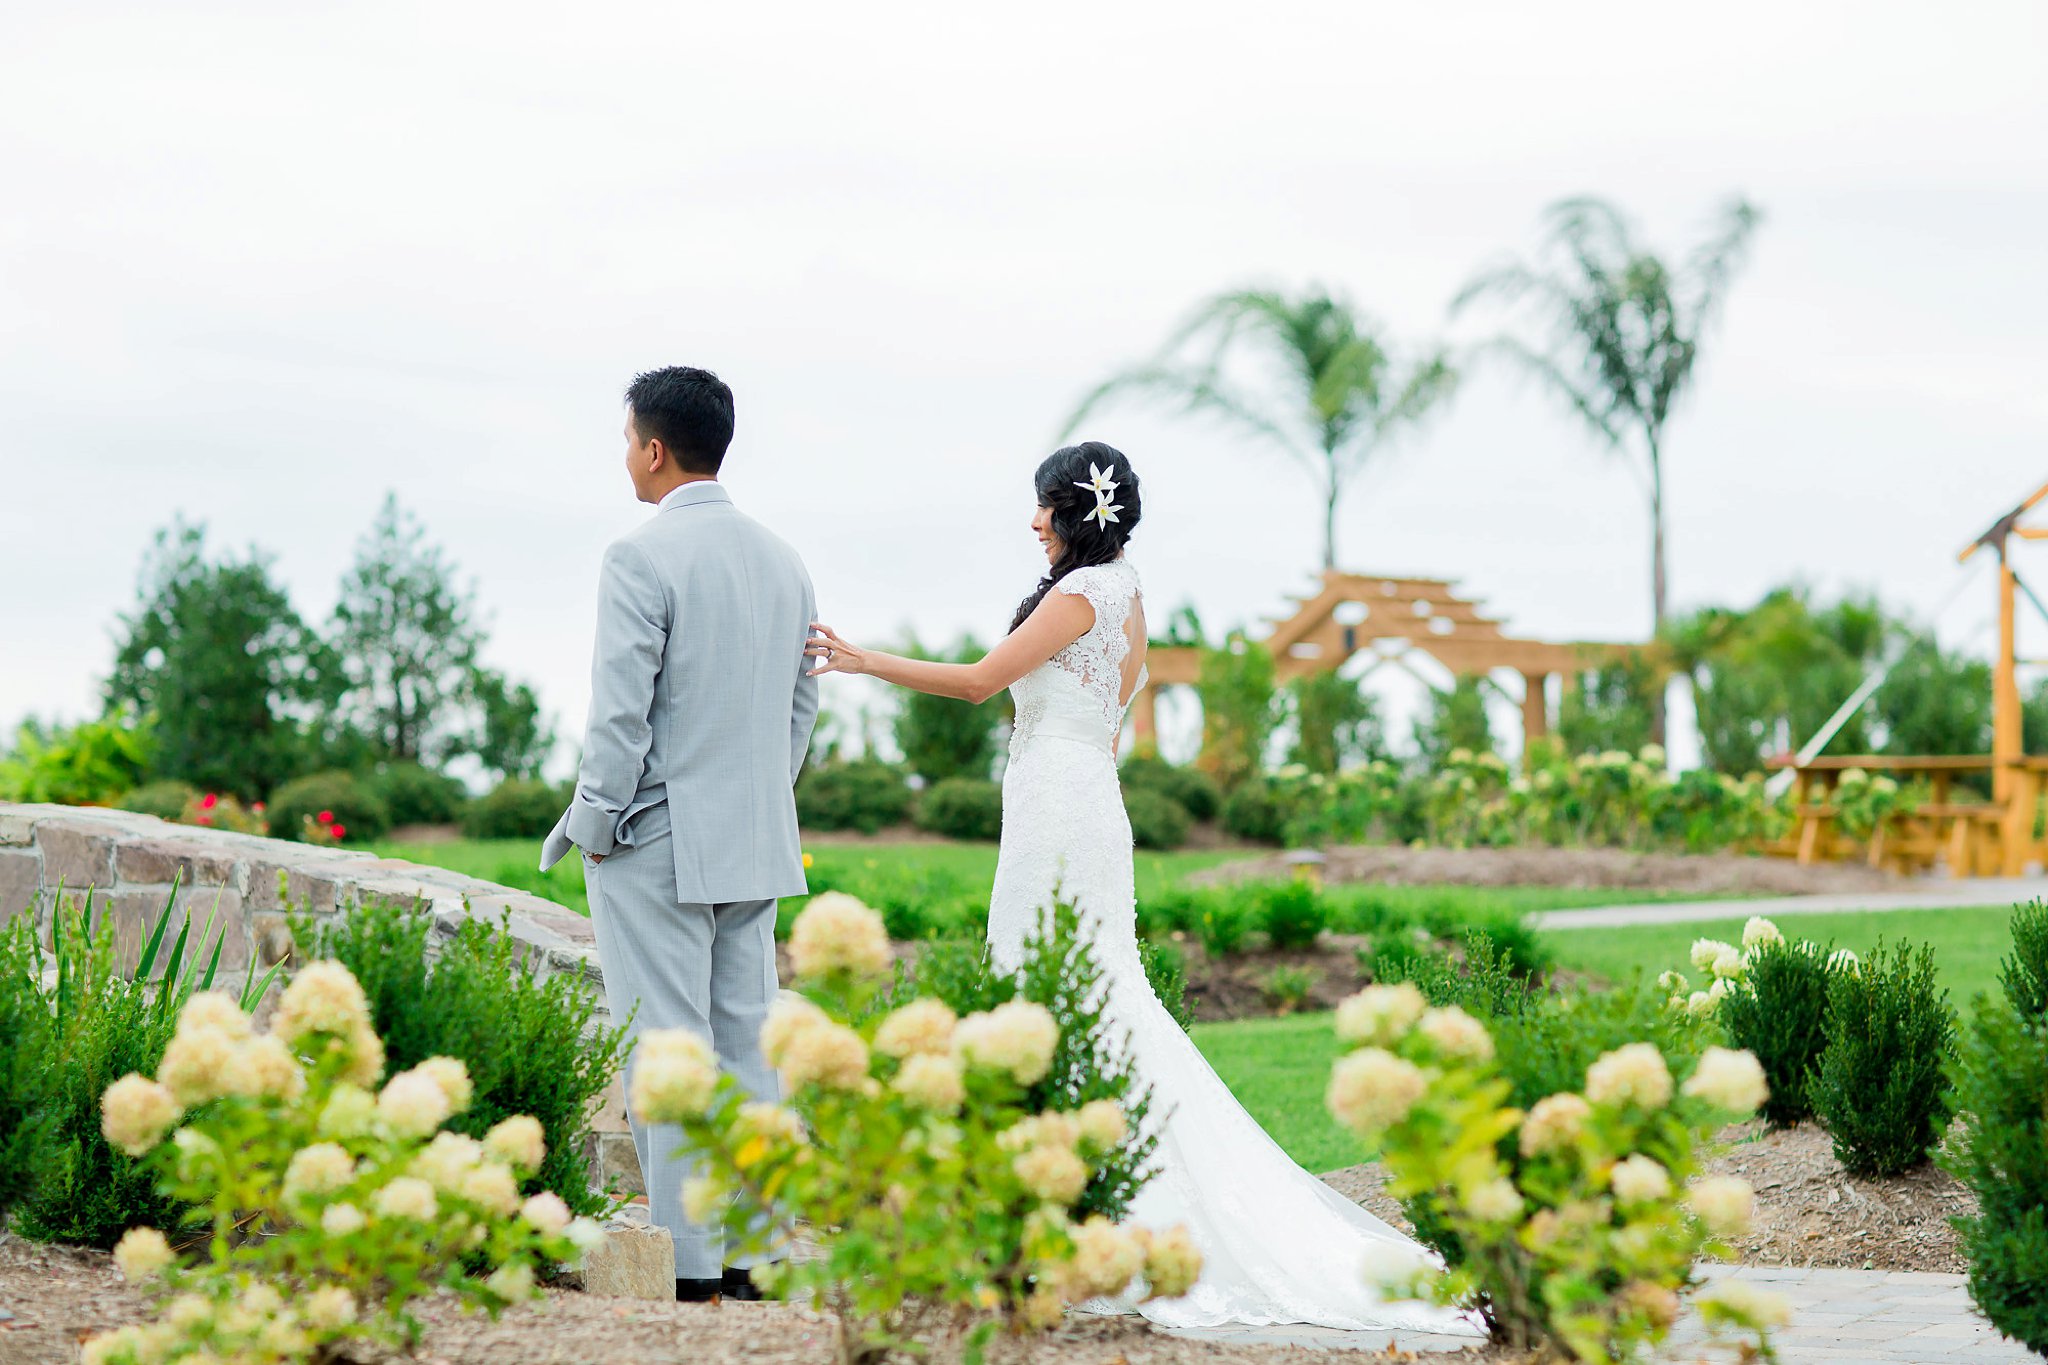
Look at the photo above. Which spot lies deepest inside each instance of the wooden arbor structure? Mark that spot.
(1977, 838)
(1353, 612)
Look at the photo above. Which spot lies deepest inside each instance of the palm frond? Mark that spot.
(1594, 405)
(1193, 391)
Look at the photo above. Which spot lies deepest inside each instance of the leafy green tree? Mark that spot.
(1621, 331)
(81, 765)
(1613, 707)
(410, 638)
(942, 737)
(1766, 679)
(1336, 723)
(1239, 708)
(216, 653)
(513, 738)
(1342, 397)
(1456, 720)
(1935, 702)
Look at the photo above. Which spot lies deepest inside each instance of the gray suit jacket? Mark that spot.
(701, 706)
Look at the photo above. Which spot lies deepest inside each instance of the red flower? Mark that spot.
(258, 808)
(209, 802)
(326, 817)
(206, 819)
(340, 832)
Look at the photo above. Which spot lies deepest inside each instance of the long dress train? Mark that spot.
(1278, 1245)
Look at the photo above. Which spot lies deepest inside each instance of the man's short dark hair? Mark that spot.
(689, 411)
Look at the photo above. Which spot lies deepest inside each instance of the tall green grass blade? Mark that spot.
(146, 964)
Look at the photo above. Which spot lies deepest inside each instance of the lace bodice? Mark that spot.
(1079, 691)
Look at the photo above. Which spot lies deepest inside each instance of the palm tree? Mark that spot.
(1621, 330)
(1340, 398)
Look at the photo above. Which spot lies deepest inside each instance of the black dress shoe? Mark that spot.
(738, 1285)
(698, 1291)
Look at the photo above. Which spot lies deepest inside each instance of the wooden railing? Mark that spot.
(1975, 834)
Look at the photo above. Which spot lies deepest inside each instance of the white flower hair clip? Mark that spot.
(1099, 481)
(1101, 485)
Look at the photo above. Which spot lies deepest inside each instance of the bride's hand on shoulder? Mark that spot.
(834, 655)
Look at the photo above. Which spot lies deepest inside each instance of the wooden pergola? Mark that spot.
(1977, 838)
(1354, 612)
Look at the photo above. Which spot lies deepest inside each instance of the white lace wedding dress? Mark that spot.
(1278, 1245)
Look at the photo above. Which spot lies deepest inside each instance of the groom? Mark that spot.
(701, 710)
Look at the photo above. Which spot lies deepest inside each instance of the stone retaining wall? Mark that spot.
(129, 864)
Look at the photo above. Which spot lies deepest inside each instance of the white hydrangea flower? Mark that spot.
(1554, 1123)
(1639, 1180)
(341, 1220)
(142, 1255)
(834, 933)
(1380, 1015)
(320, 1168)
(674, 1076)
(934, 1083)
(1632, 1074)
(136, 1112)
(920, 1027)
(1456, 1034)
(1018, 1038)
(1758, 932)
(1055, 1174)
(1724, 1203)
(408, 1197)
(546, 1213)
(1707, 951)
(413, 1104)
(519, 1141)
(1372, 1090)
(1729, 1080)
(1495, 1201)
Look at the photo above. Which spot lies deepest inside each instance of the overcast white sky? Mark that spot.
(261, 263)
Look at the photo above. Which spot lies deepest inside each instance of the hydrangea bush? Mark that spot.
(1577, 1223)
(910, 1149)
(325, 1205)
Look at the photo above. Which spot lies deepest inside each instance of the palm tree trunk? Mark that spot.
(1332, 490)
(1660, 586)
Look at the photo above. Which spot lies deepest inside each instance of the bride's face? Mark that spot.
(1041, 526)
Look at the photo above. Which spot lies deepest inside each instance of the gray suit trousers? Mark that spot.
(706, 968)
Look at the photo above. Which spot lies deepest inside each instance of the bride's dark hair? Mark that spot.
(1061, 483)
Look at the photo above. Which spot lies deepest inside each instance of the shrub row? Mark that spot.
(365, 808)
(528, 1044)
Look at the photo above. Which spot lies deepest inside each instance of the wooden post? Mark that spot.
(1535, 707)
(2016, 835)
(1145, 717)
(2007, 744)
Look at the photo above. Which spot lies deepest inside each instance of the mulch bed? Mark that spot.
(1810, 1213)
(1698, 874)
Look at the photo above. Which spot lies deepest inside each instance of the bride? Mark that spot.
(1278, 1245)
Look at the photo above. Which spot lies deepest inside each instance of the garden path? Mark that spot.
(1927, 893)
(1868, 1317)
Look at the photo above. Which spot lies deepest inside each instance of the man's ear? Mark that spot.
(657, 455)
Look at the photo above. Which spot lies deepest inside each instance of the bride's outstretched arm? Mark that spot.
(1057, 622)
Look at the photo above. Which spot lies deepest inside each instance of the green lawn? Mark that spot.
(513, 862)
(1278, 1069)
(1967, 943)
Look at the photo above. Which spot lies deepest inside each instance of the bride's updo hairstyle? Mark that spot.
(1062, 483)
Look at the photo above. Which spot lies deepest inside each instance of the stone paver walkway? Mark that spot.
(1927, 894)
(1847, 1317)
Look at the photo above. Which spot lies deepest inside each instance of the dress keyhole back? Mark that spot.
(1134, 658)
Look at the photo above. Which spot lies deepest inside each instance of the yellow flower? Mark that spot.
(1632, 1074)
(933, 1083)
(1018, 1038)
(674, 1076)
(1102, 1122)
(1372, 1090)
(453, 1077)
(1055, 1174)
(829, 1054)
(264, 1066)
(520, 1142)
(212, 1009)
(808, 860)
(1639, 1180)
(136, 1112)
(319, 1169)
(323, 998)
(922, 1026)
(413, 1104)
(1456, 1034)
(142, 1255)
(1724, 1203)
(1172, 1263)
(1554, 1123)
(1106, 1259)
(408, 1197)
(834, 933)
(193, 1064)
(1729, 1080)
(546, 1213)
(1380, 1015)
